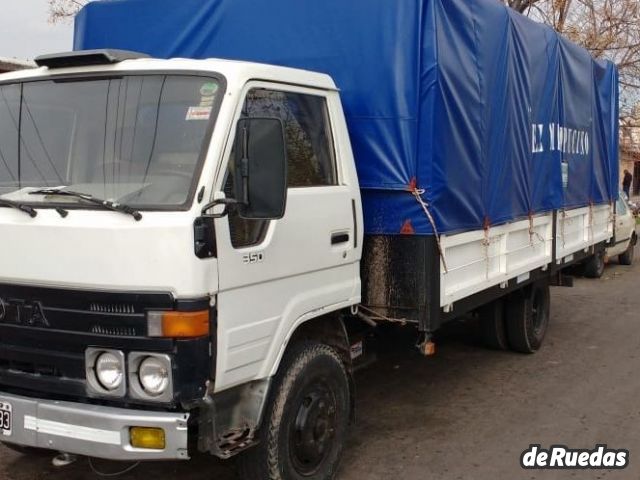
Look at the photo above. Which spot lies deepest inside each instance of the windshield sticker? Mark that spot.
(198, 113)
(209, 89)
(208, 93)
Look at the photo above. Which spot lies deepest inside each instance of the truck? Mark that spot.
(208, 204)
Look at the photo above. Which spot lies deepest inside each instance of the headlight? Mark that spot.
(154, 376)
(110, 371)
(150, 377)
(106, 372)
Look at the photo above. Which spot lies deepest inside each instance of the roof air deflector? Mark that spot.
(85, 58)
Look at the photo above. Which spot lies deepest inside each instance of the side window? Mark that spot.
(309, 149)
(307, 133)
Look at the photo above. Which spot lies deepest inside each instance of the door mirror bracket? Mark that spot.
(228, 203)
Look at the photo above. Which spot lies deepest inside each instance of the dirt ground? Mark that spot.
(469, 413)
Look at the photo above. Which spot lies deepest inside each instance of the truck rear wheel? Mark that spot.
(627, 257)
(594, 268)
(305, 424)
(493, 330)
(528, 318)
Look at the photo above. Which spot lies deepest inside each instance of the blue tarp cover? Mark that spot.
(494, 116)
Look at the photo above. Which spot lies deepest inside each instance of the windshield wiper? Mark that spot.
(106, 204)
(19, 206)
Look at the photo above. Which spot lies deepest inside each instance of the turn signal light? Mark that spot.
(149, 438)
(178, 324)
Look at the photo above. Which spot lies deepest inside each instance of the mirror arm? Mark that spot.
(227, 202)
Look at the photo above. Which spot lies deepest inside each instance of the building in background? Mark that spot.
(630, 149)
(12, 64)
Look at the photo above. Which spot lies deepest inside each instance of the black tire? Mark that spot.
(493, 330)
(528, 318)
(594, 267)
(305, 424)
(627, 257)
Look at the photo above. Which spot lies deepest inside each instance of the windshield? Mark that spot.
(621, 207)
(134, 139)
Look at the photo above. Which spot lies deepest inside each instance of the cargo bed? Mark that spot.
(403, 279)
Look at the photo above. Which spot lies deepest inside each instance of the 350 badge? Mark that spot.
(253, 258)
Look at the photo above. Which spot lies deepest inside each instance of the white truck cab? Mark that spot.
(124, 237)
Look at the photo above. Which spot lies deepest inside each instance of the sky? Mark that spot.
(26, 33)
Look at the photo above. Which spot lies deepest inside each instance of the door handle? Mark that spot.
(338, 238)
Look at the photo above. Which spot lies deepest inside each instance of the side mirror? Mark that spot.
(260, 169)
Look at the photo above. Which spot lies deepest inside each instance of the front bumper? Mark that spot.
(92, 430)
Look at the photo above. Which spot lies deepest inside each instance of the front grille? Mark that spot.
(113, 314)
(114, 331)
(44, 334)
(51, 363)
(30, 368)
(112, 308)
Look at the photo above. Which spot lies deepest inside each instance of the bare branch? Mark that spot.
(64, 10)
(522, 6)
(609, 29)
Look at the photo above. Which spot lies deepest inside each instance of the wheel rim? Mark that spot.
(313, 429)
(539, 314)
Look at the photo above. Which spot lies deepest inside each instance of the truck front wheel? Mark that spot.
(528, 317)
(305, 424)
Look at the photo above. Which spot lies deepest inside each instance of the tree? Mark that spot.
(64, 10)
(609, 29)
(522, 6)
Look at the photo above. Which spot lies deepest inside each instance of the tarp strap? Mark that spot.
(375, 316)
(533, 233)
(613, 215)
(486, 243)
(564, 216)
(591, 236)
(417, 193)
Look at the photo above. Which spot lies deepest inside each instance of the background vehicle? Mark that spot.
(626, 236)
(208, 241)
(623, 247)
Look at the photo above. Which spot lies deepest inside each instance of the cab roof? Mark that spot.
(235, 72)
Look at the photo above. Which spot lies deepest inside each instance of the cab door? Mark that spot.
(625, 226)
(622, 219)
(273, 273)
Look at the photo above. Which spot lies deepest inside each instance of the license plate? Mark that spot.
(5, 419)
